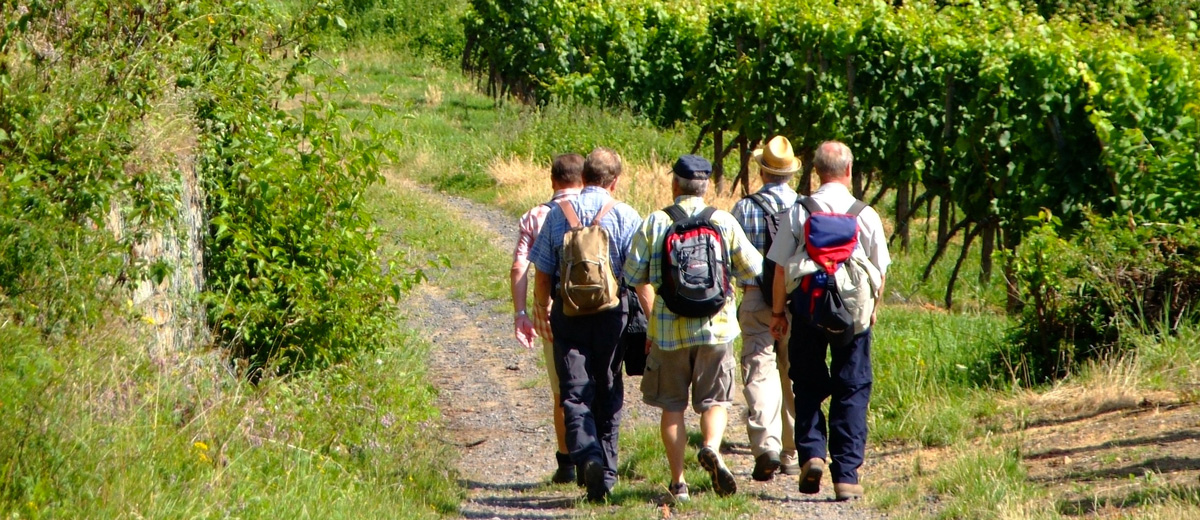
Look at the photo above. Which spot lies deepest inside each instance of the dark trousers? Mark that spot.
(847, 379)
(592, 393)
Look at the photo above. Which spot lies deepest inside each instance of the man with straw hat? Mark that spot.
(770, 404)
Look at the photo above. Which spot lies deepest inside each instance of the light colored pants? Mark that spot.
(770, 403)
(541, 323)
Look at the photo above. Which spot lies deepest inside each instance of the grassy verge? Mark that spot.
(97, 427)
(426, 232)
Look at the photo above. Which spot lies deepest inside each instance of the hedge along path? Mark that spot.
(496, 403)
(982, 115)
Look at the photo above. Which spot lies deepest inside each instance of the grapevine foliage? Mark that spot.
(995, 112)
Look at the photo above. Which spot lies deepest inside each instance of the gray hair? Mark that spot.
(832, 159)
(694, 187)
(771, 178)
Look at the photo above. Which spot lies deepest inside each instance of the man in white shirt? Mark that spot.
(848, 377)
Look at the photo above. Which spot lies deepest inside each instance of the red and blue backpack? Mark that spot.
(829, 238)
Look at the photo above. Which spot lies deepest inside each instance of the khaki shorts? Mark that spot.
(708, 370)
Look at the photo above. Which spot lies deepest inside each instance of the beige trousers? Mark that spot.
(770, 403)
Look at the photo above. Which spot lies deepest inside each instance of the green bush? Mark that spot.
(290, 254)
(1082, 293)
(293, 276)
(991, 111)
(73, 94)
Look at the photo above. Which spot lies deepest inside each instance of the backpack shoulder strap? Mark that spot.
(856, 208)
(676, 212)
(707, 213)
(569, 212)
(809, 204)
(759, 200)
(608, 206)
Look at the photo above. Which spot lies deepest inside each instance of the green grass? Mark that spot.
(427, 232)
(98, 428)
(988, 484)
(934, 382)
(454, 132)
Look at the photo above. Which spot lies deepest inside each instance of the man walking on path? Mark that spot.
(770, 413)
(585, 346)
(566, 177)
(848, 377)
(695, 352)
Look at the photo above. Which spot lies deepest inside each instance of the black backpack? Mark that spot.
(695, 277)
(766, 281)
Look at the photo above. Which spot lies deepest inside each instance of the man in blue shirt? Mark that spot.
(770, 405)
(586, 352)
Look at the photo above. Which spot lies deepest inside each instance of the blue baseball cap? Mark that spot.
(692, 167)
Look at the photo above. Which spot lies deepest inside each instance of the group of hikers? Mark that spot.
(811, 271)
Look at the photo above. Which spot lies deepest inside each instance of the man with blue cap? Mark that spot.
(687, 253)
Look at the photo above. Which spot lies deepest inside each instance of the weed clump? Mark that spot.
(1084, 294)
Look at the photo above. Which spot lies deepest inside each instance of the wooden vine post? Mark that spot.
(718, 158)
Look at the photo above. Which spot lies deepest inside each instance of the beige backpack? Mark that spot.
(586, 281)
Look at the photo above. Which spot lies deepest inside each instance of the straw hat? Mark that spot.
(777, 157)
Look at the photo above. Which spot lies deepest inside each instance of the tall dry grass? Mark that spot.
(523, 183)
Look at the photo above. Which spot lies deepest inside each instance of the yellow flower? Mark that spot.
(210, 20)
(200, 446)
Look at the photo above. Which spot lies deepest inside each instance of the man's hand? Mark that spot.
(523, 328)
(648, 343)
(779, 327)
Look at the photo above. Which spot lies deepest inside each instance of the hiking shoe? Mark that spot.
(789, 464)
(593, 477)
(765, 466)
(810, 476)
(566, 469)
(844, 491)
(722, 479)
(679, 492)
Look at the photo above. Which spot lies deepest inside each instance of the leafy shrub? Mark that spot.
(75, 85)
(290, 258)
(1082, 293)
(294, 279)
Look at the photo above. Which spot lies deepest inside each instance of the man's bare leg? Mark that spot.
(674, 436)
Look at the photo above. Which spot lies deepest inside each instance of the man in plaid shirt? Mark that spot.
(566, 177)
(770, 403)
(690, 352)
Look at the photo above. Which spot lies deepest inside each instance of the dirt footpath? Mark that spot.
(497, 406)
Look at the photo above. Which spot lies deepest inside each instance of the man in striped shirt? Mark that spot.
(770, 403)
(566, 177)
